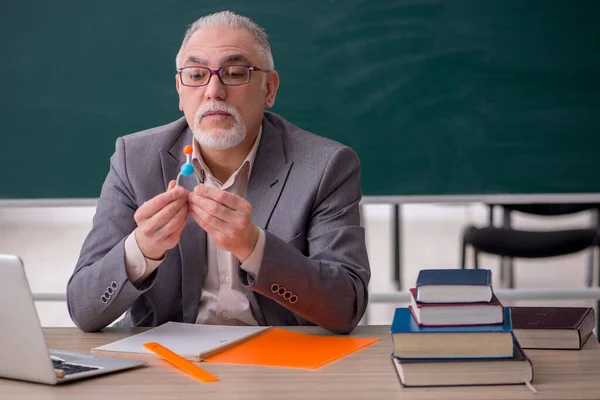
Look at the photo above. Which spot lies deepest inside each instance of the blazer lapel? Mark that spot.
(269, 173)
(268, 177)
(192, 244)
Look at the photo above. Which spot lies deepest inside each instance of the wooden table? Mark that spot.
(366, 374)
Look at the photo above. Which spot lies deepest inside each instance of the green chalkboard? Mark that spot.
(437, 97)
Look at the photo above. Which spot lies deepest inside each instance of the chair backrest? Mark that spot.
(551, 209)
(544, 209)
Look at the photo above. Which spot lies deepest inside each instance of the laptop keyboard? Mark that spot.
(71, 368)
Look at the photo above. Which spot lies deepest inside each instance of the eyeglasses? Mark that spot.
(230, 75)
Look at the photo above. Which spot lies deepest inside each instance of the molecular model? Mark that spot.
(187, 169)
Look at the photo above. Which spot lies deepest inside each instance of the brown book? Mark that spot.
(552, 327)
(460, 372)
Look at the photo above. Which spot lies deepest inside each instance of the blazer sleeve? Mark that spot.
(330, 282)
(98, 291)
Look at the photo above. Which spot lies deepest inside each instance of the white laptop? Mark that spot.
(23, 351)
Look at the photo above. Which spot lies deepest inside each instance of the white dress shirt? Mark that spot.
(223, 300)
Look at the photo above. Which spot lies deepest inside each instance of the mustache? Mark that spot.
(218, 107)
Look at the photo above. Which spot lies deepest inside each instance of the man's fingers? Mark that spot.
(151, 225)
(229, 200)
(176, 235)
(175, 224)
(207, 221)
(154, 205)
(171, 185)
(213, 208)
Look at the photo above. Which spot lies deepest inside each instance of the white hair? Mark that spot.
(235, 21)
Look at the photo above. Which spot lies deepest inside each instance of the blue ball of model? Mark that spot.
(187, 169)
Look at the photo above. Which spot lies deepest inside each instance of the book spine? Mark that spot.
(585, 329)
(488, 276)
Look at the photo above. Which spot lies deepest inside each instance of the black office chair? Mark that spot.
(509, 243)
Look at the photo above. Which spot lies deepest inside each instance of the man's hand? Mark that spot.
(160, 221)
(226, 217)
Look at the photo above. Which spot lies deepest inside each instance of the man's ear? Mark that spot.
(178, 87)
(272, 85)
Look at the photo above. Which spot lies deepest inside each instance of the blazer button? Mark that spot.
(281, 291)
(104, 299)
(274, 288)
(287, 295)
(114, 285)
(293, 299)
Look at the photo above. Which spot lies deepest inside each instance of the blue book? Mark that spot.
(454, 286)
(412, 341)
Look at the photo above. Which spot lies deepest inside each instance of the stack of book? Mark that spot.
(456, 332)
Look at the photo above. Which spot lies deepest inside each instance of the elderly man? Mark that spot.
(271, 235)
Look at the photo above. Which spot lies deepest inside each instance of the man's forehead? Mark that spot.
(220, 44)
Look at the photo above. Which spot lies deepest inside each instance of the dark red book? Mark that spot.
(455, 314)
(552, 327)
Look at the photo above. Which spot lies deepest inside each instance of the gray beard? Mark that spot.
(220, 139)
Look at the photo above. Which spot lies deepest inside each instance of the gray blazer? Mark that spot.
(305, 193)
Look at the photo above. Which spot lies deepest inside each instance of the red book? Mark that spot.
(455, 314)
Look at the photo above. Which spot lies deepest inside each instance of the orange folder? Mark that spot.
(280, 348)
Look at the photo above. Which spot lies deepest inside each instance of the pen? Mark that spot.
(58, 372)
(181, 362)
(56, 358)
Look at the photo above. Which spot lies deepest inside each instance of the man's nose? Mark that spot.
(215, 90)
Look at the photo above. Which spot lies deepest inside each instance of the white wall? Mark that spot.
(49, 239)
